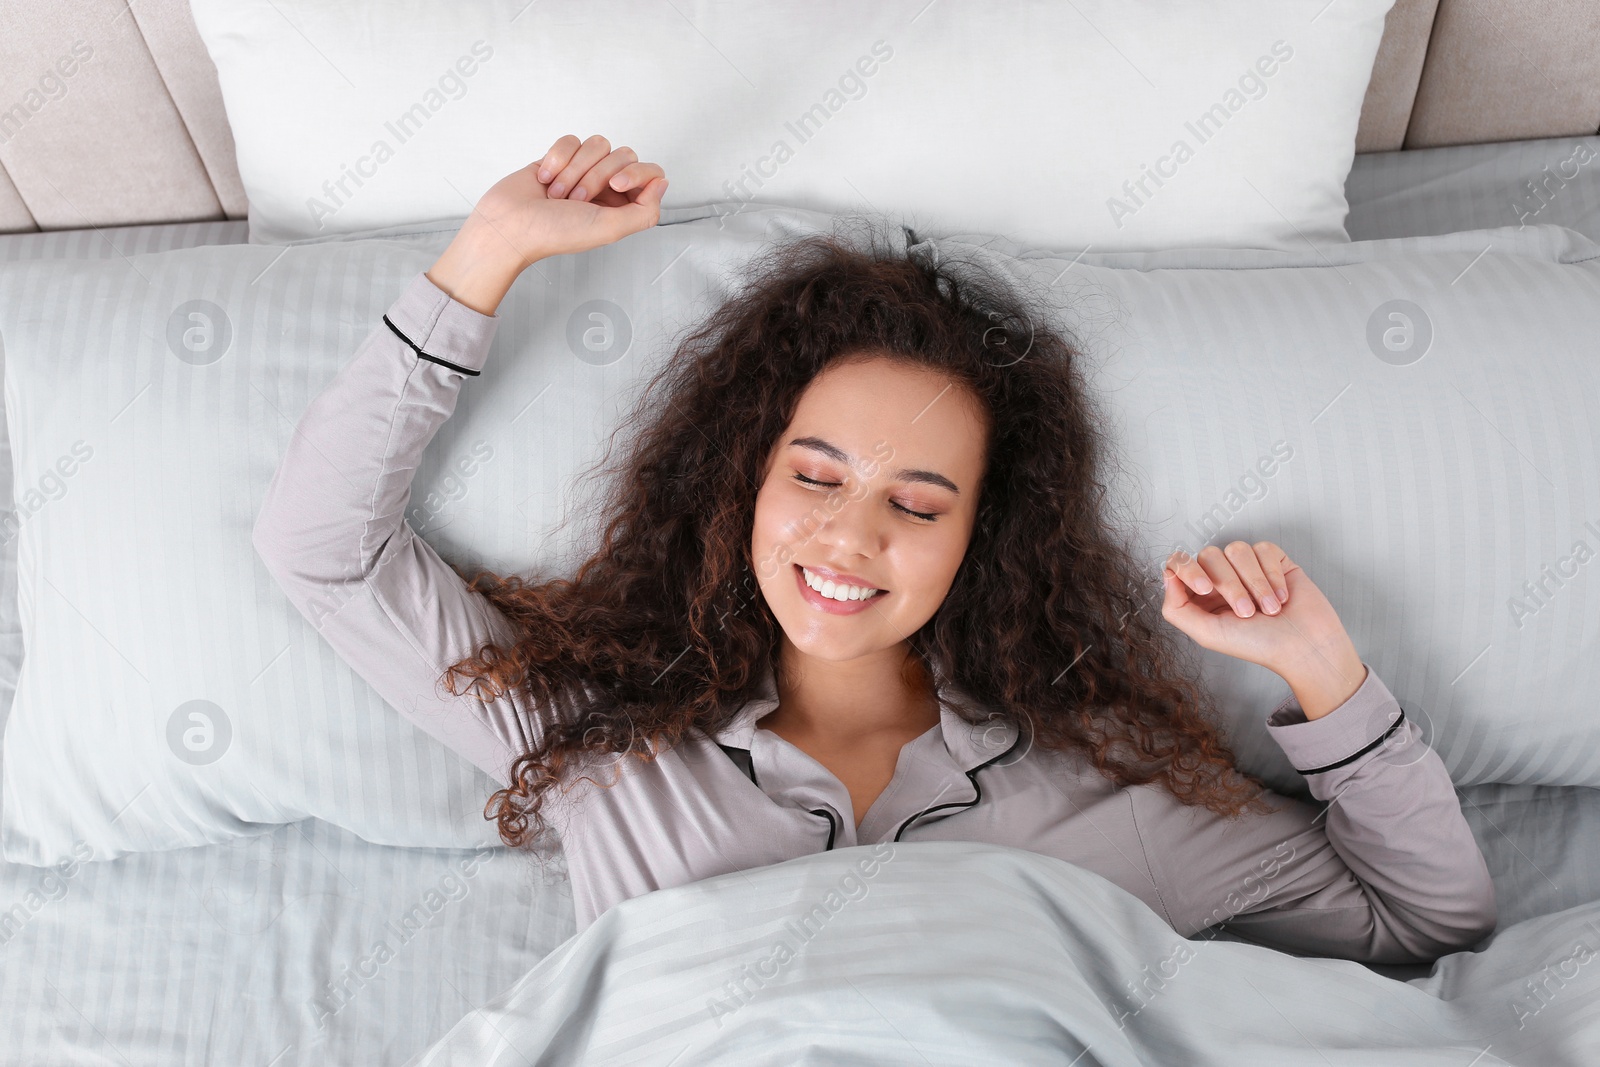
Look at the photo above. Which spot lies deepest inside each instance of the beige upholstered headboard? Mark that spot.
(139, 135)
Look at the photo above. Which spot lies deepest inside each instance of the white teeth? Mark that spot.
(837, 590)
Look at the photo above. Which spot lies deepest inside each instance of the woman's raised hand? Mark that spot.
(1254, 603)
(577, 196)
(580, 195)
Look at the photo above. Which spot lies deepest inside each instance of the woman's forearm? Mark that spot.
(1326, 677)
(478, 268)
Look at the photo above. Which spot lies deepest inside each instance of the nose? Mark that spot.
(851, 526)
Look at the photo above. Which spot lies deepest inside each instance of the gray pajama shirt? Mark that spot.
(1388, 873)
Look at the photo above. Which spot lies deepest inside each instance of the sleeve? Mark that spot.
(1384, 869)
(331, 529)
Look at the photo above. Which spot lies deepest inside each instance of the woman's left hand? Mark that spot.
(1253, 603)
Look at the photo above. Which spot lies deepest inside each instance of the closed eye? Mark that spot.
(926, 517)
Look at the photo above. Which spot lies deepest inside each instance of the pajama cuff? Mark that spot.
(444, 328)
(1348, 732)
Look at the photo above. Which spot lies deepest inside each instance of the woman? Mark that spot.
(857, 585)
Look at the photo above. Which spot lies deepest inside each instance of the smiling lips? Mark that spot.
(827, 581)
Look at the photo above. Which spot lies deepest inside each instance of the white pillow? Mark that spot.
(1115, 124)
(147, 460)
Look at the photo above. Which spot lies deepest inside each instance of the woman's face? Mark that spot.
(889, 440)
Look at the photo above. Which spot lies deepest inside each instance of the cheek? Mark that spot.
(768, 550)
(934, 562)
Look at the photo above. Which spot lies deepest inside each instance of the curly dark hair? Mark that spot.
(1047, 621)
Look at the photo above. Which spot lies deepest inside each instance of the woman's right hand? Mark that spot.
(577, 196)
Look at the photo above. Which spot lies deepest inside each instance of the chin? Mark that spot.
(831, 648)
(838, 638)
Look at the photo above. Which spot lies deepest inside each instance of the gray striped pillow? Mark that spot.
(150, 397)
(1413, 421)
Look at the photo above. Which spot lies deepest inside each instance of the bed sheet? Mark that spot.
(1552, 181)
(306, 945)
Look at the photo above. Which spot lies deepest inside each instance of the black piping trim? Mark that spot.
(423, 355)
(1357, 755)
(833, 827)
(972, 776)
(741, 759)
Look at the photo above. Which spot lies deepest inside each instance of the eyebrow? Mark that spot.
(817, 444)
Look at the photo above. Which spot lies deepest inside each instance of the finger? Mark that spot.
(635, 176)
(588, 154)
(1175, 596)
(648, 194)
(1183, 611)
(651, 196)
(1248, 567)
(1273, 562)
(641, 214)
(1223, 576)
(1185, 567)
(557, 157)
(1174, 593)
(597, 179)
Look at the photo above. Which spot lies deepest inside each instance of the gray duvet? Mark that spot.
(966, 953)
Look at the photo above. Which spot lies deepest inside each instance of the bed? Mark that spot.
(264, 948)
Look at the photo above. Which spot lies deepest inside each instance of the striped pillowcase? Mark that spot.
(150, 397)
(1413, 422)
